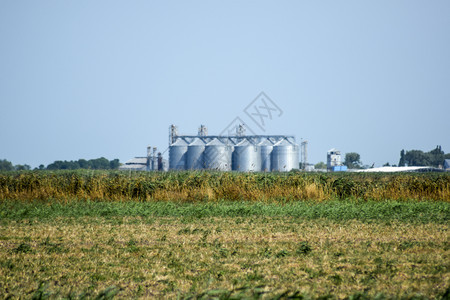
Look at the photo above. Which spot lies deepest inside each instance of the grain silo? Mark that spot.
(285, 156)
(266, 148)
(194, 155)
(238, 152)
(178, 155)
(246, 157)
(217, 156)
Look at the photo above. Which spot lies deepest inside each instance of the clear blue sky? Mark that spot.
(85, 79)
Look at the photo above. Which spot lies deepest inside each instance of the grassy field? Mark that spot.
(336, 249)
(100, 235)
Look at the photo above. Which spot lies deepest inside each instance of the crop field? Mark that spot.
(213, 186)
(99, 235)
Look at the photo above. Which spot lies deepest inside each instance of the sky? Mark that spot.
(89, 79)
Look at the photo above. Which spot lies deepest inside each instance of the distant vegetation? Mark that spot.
(92, 164)
(353, 160)
(433, 158)
(320, 165)
(8, 166)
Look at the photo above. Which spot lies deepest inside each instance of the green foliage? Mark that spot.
(436, 157)
(303, 248)
(93, 164)
(6, 165)
(108, 293)
(22, 167)
(401, 163)
(352, 160)
(42, 292)
(320, 165)
(433, 158)
(417, 158)
(23, 248)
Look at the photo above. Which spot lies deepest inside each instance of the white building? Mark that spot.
(333, 158)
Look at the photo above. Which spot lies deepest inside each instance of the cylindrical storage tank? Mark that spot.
(266, 148)
(155, 163)
(217, 156)
(284, 156)
(155, 160)
(194, 155)
(246, 157)
(177, 155)
(295, 156)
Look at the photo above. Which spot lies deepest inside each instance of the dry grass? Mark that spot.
(170, 257)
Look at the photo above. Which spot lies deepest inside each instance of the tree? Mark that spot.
(417, 158)
(84, 164)
(6, 165)
(436, 157)
(114, 164)
(352, 160)
(22, 167)
(433, 158)
(401, 163)
(100, 163)
(56, 165)
(320, 165)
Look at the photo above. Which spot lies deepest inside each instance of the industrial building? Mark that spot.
(334, 162)
(152, 162)
(237, 152)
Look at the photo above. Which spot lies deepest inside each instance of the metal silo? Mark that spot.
(295, 155)
(217, 156)
(246, 157)
(194, 155)
(284, 156)
(266, 148)
(177, 155)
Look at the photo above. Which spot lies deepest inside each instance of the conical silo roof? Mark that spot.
(180, 142)
(244, 143)
(265, 142)
(283, 142)
(215, 142)
(197, 142)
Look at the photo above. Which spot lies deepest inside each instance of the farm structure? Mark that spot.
(152, 162)
(334, 163)
(237, 152)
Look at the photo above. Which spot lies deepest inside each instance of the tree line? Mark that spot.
(434, 158)
(93, 164)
